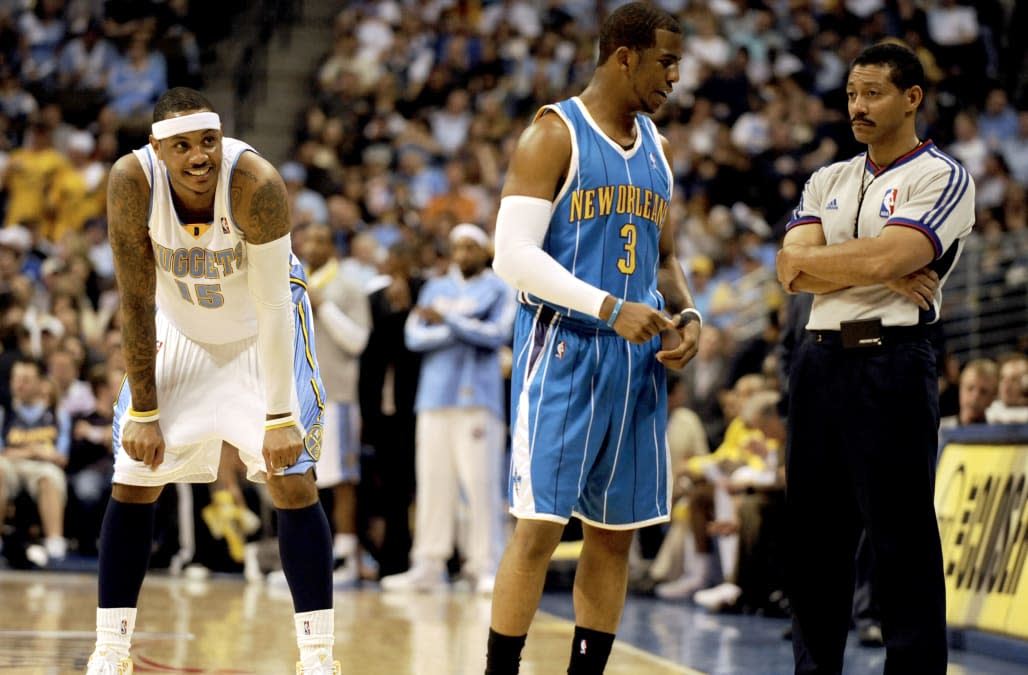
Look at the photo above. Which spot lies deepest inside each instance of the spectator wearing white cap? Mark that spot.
(460, 323)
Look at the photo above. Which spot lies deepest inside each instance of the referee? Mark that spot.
(873, 238)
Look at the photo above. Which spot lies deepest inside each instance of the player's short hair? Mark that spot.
(180, 100)
(635, 26)
(905, 69)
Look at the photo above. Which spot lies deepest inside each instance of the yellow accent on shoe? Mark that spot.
(103, 666)
(337, 668)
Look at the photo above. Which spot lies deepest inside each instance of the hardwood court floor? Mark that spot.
(225, 626)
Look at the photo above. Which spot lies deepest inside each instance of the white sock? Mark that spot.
(698, 568)
(315, 631)
(56, 547)
(114, 627)
(344, 546)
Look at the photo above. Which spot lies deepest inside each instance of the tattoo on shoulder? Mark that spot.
(242, 182)
(268, 213)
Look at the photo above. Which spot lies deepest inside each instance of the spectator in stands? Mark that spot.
(457, 204)
(978, 382)
(998, 122)
(138, 78)
(78, 190)
(16, 103)
(704, 380)
(1011, 407)
(387, 388)
(91, 461)
(29, 173)
(342, 323)
(968, 146)
(344, 219)
(686, 439)
(759, 574)
(43, 30)
(745, 458)
(362, 264)
(35, 444)
(305, 205)
(459, 325)
(83, 68)
(74, 396)
(1015, 150)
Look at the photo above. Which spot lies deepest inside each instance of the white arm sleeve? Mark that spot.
(521, 226)
(268, 279)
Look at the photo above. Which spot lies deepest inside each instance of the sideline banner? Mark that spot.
(981, 498)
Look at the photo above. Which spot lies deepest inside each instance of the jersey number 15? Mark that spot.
(207, 295)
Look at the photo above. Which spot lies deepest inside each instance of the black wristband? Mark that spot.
(686, 315)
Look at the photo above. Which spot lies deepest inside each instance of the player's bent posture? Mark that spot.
(218, 351)
(582, 233)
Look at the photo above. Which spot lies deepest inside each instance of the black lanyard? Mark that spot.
(864, 185)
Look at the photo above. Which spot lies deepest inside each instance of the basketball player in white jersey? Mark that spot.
(199, 226)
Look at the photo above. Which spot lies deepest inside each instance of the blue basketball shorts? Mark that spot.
(588, 425)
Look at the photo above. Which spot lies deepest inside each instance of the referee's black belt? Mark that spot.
(868, 334)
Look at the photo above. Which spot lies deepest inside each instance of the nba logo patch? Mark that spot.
(888, 203)
(560, 349)
(306, 627)
(224, 225)
(123, 629)
(653, 161)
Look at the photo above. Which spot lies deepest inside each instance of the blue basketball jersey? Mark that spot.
(607, 217)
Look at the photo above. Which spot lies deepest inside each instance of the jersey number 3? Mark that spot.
(626, 263)
(207, 295)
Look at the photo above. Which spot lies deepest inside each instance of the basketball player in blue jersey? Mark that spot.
(582, 233)
(218, 351)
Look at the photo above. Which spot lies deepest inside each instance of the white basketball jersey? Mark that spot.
(201, 267)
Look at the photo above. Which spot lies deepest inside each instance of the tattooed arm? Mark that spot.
(128, 200)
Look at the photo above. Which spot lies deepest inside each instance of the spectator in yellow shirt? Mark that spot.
(29, 173)
(78, 190)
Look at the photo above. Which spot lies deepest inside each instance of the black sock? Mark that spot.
(126, 538)
(305, 547)
(589, 651)
(503, 655)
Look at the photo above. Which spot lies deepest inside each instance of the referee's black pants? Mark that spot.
(863, 439)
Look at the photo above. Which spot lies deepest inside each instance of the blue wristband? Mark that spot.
(614, 312)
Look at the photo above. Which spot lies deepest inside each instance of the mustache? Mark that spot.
(861, 118)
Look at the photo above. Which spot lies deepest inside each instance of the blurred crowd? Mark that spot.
(413, 115)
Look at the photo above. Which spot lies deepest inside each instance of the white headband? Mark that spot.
(472, 232)
(173, 126)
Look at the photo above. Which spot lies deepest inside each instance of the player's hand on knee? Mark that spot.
(282, 447)
(639, 323)
(143, 442)
(679, 345)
